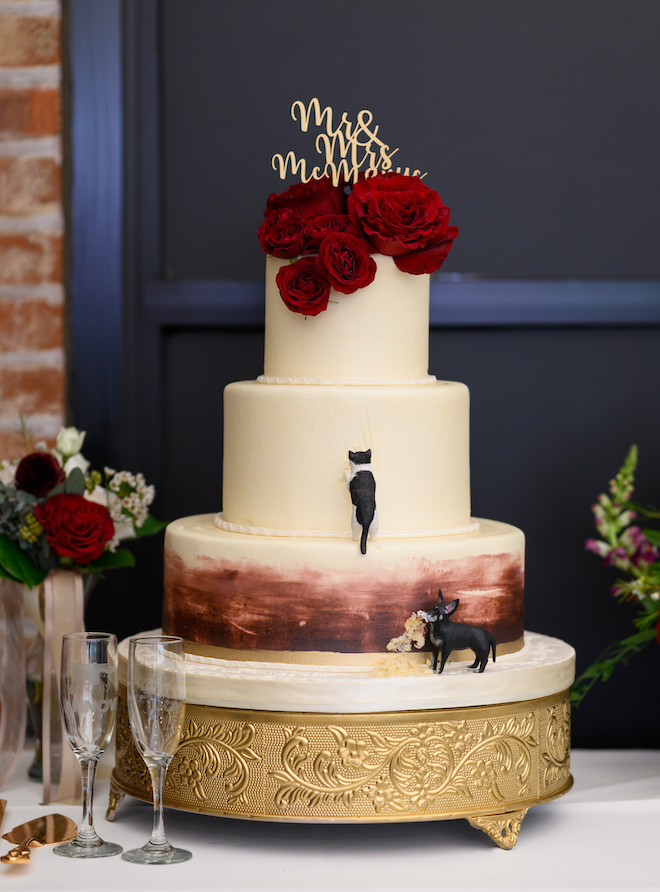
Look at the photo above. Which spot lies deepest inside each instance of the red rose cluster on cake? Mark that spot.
(330, 236)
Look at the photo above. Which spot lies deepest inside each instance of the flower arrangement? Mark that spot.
(56, 512)
(329, 236)
(634, 552)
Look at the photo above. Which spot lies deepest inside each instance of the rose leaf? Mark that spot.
(109, 560)
(75, 483)
(150, 527)
(15, 565)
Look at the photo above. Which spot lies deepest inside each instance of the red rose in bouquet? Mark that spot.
(310, 199)
(403, 219)
(282, 234)
(346, 262)
(317, 228)
(75, 527)
(304, 288)
(38, 473)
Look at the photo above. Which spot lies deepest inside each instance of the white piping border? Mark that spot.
(228, 527)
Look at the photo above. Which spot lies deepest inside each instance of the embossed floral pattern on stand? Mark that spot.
(207, 753)
(558, 735)
(481, 761)
(409, 772)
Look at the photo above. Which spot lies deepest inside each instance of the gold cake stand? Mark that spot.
(487, 764)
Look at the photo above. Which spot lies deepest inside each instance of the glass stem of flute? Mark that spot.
(86, 831)
(158, 770)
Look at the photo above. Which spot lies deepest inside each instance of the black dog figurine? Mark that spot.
(449, 636)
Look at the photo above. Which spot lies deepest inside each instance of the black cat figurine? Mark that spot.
(362, 485)
(448, 636)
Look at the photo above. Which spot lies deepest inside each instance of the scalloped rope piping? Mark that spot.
(269, 379)
(343, 534)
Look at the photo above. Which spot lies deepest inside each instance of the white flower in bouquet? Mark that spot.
(133, 494)
(124, 526)
(69, 442)
(7, 471)
(76, 461)
(127, 497)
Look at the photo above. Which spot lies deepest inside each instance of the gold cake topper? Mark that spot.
(346, 149)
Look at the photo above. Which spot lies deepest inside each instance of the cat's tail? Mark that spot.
(363, 539)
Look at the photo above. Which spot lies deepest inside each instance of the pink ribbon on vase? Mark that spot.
(13, 701)
(60, 607)
(62, 613)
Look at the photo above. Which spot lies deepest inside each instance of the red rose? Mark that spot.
(346, 262)
(38, 473)
(310, 199)
(75, 527)
(402, 217)
(282, 234)
(429, 259)
(303, 287)
(317, 228)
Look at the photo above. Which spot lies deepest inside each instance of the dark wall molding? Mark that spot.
(458, 302)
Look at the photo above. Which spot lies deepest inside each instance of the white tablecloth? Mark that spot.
(604, 834)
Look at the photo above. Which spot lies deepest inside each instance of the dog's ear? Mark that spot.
(451, 607)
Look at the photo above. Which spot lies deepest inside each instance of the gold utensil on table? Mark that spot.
(45, 831)
(3, 806)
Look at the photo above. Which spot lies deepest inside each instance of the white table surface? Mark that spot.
(604, 834)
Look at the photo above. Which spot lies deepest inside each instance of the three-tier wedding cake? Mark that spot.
(346, 507)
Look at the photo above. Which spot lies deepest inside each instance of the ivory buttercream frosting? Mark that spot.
(277, 572)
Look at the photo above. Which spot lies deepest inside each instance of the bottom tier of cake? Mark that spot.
(487, 763)
(319, 600)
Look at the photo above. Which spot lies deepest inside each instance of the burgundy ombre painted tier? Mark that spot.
(254, 593)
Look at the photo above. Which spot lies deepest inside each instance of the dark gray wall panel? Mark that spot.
(535, 120)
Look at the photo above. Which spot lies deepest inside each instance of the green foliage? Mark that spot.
(604, 666)
(16, 565)
(653, 536)
(109, 560)
(74, 484)
(150, 527)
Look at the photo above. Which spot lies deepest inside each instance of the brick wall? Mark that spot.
(32, 359)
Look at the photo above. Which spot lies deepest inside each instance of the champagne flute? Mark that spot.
(89, 706)
(157, 708)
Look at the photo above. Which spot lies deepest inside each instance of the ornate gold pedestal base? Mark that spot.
(502, 829)
(487, 764)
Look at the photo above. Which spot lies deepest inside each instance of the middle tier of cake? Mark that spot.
(286, 456)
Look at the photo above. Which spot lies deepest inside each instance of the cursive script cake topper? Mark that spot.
(346, 149)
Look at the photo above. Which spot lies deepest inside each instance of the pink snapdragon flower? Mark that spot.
(638, 547)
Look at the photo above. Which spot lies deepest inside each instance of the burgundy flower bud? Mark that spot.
(38, 473)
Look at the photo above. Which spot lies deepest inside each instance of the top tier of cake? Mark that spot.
(379, 334)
